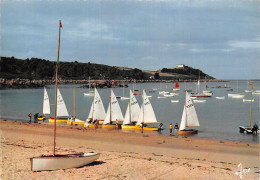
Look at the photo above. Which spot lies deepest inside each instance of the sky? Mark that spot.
(220, 37)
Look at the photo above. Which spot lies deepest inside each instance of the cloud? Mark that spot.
(245, 44)
(197, 50)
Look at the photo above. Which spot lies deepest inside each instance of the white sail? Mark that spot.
(116, 113)
(189, 115)
(183, 119)
(46, 103)
(147, 115)
(134, 108)
(61, 107)
(99, 110)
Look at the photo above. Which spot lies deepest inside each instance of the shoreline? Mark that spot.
(19, 83)
(130, 132)
(199, 157)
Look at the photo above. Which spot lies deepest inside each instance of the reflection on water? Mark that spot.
(219, 119)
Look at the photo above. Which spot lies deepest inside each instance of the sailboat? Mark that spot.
(198, 95)
(123, 97)
(146, 115)
(73, 120)
(132, 113)
(61, 161)
(62, 112)
(177, 87)
(189, 118)
(249, 129)
(90, 93)
(114, 113)
(46, 106)
(97, 112)
(236, 95)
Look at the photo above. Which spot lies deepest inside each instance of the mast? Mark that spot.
(110, 106)
(93, 104)
(198, 85)
(143, 113)
(89, 84)
(251, 103)
(185, 106)
(74, 101)
(56, 91)
(130, 105)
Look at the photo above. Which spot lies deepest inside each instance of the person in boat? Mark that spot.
(255, 129)
(170, 128)
(36, 117)
(30, 116)
(176, 128)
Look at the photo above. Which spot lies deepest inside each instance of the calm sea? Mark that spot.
(219, 119)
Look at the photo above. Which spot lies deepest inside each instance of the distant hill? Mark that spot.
(185, 72)
(36, 68)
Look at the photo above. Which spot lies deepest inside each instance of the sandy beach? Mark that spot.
(124, 155)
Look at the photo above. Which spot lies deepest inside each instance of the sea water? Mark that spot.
(219, 119)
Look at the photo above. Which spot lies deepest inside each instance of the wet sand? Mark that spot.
(124, 155)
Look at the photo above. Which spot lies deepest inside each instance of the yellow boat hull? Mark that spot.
(147, 128)
(109, 126)
(69, 123)
(78, 123)
(41, 118)
(58, 120)
(94, 126)
(128, 127)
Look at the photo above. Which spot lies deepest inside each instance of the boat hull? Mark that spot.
(128, 127)
(109, 126)
(93, 126)
(147, 128)
(246, 130)
(42, 118)
(78, 123)
(200, 95)
(58, 120)
(48, 163)
(188, 132)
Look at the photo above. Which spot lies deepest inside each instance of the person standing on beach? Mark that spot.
(117, 124)
(36, 118)
(176, 129)
(30, 116)
(170, 129)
